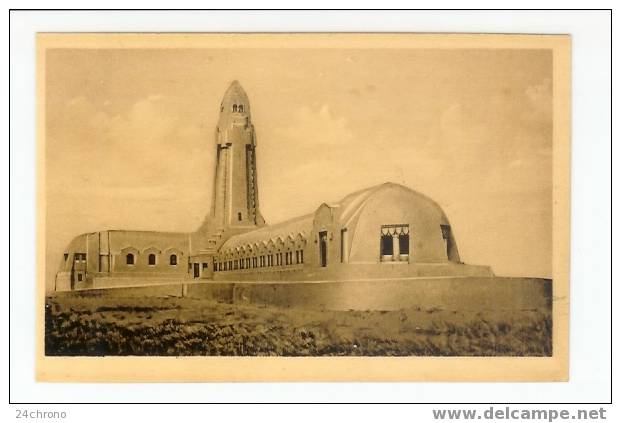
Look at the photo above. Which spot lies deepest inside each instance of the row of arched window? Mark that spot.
(130, 259)
(292, 241)
(270, 260)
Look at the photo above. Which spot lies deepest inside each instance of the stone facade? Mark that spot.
(386, 231)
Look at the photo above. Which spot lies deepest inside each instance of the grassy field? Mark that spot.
(95, 326)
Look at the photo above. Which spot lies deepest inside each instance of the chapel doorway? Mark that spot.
(196, 270)
(323, 248)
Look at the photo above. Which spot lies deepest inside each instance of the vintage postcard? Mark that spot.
(303, 207)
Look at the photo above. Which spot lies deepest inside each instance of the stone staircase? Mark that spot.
(213, 242)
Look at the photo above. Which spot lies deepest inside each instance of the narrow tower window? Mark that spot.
(235, 107)
(151, 259)
(129, 259)
(323, 248)
(239, 216)
(240, 109)
(173, 259)
(344, 245)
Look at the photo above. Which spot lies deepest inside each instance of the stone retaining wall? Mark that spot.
(470, 293)
(492, 293)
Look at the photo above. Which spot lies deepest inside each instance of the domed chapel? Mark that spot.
(387, 231)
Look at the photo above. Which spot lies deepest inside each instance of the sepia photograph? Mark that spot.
(301, 206)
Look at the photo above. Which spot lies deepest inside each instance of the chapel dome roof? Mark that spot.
(351, 205)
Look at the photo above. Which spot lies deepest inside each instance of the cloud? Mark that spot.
(134, 154)
(354, 92)
(145, 168)
(307, 132)
(516, 163)
(314, 127)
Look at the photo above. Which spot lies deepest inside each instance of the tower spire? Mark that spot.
(236, 201)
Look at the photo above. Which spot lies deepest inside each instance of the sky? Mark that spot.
(130, 138)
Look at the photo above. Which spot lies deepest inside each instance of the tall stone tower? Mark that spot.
(235, 201)
(235, 205)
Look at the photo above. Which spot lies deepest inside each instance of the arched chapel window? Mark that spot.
(395, 242)
(173, 259)
(129, 259)
(386, 245)
(404, 244)
(151, 259)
